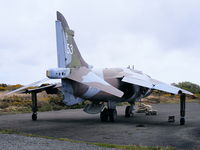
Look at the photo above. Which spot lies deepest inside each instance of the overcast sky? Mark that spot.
(159, 37)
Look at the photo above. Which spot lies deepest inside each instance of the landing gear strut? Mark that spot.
(182, 108)
(109, 113)
(129, 111)
(34, 105)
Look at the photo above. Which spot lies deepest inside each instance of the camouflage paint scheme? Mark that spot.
(98, 85)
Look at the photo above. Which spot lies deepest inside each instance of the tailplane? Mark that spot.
(68, 54)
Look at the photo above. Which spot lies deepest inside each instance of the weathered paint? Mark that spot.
(97, 85)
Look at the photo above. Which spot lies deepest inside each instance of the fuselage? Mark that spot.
(114, 77)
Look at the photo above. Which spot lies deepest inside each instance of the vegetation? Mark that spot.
(165, 98)
(5, 87)
(192, 87)
(22, 103)
(130, 147)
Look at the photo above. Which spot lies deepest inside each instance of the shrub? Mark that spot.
(192, 87)
(2, 88)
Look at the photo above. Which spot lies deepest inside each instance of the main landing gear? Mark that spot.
(110, 113)
(129, 111)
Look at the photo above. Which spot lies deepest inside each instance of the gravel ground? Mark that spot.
(17, 142)
(77, 125)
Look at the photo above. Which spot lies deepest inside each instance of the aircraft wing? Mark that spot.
(158, 85)
(50, 89)
(86, 76)
(27, 86)
(145, 81)
(137, 81)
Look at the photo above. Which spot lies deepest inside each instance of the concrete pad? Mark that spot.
(77, 125)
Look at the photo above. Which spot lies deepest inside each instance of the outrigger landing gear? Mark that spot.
(34, 92)
(34, 116)
(34, 105)
(182, 108)
(109, 113)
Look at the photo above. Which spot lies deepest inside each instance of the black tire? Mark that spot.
(128, 111)
(112, 113)
(182, 121)
(34, 116)
(104, 115)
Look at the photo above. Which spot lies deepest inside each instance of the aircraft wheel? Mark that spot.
(128, 111)
(34, 116)
(104, 115)
(182, 121)
(112, 114)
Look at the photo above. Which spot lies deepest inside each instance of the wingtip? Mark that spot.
(185, 92)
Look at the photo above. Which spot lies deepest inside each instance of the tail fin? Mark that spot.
(67, 51)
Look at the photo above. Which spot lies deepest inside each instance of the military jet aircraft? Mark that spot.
(103, 87)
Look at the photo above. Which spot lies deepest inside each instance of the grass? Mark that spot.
(129, 147)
